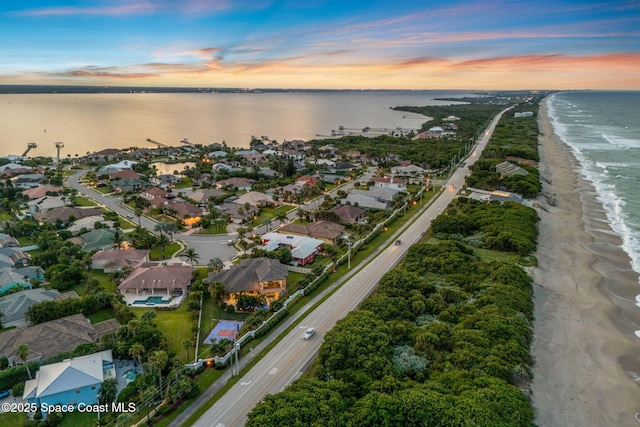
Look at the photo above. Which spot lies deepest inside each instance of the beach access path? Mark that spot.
(584, 347)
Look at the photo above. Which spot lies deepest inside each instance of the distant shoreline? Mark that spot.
(62, 89)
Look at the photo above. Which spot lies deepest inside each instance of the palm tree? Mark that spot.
(158, 361)
(23, 353)
(191, 255)
(170, 228)
(281, 216)
(138, 213)
(163, 241)
(215, 264)
(267, 222)
(136, 351)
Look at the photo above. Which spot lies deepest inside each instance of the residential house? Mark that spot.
(66, 214)
(15, 305)
(164, 181)
(70, 382)
(14, 257)
(101, 238)
(365, 201)
(303, 249)
(254, 276)
(509, 169)
(408, 171)
(326, 231)
(7, 241)
(328, 150)
(124, 174)
(154, 193)
(523, 114)
(106, 155)
(88, 223)
(342, 167)
(218, 154)
(162, 280)
(223, 167)
(125, 185)
(188, 213)
(48, 339)
(391, 182)
(11, 277)
(203, 196)
(11, 165)
(242, 184)
(41, 191)
(255, 199)
(111, 260)
(348, 214)
(291, 153)
(307, 181)
(46, 203)
(27, 181)
(237, 214)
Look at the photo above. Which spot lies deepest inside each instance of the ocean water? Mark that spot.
(92, 122)
(603, 130)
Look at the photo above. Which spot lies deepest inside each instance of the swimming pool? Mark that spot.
(131, 375)
(151, 301)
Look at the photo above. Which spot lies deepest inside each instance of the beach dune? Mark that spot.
(587, 356)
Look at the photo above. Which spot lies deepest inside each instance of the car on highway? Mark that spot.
(308, 334)
(398, 242)
(4, 394)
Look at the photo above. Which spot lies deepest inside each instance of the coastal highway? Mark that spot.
(288, 359)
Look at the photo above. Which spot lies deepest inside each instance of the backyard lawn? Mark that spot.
(175, 325)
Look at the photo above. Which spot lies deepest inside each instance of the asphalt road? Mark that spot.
(287, 360)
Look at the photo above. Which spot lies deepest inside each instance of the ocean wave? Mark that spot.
(622, 142)
(599, 175)
(613, 207)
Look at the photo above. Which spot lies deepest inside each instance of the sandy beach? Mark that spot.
(587, 358)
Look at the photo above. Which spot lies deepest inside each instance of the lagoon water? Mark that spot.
(603, 130)
(92, 122)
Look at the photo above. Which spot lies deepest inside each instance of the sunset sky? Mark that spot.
(400, 44)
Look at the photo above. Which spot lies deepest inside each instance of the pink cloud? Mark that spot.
(135, 7)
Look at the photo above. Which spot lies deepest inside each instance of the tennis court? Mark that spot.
(225, 329)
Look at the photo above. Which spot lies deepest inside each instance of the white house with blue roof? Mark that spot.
(71, 381)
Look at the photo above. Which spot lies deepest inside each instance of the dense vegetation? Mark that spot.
(472, 117)
(443, 341)
(513, 137)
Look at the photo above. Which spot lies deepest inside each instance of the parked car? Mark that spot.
(4, 394)
(308, 334)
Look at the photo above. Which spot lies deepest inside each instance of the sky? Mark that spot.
(323, 44)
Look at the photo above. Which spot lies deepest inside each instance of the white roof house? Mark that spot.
(71, 374)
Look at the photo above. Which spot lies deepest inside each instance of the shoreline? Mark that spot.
(584, 347)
